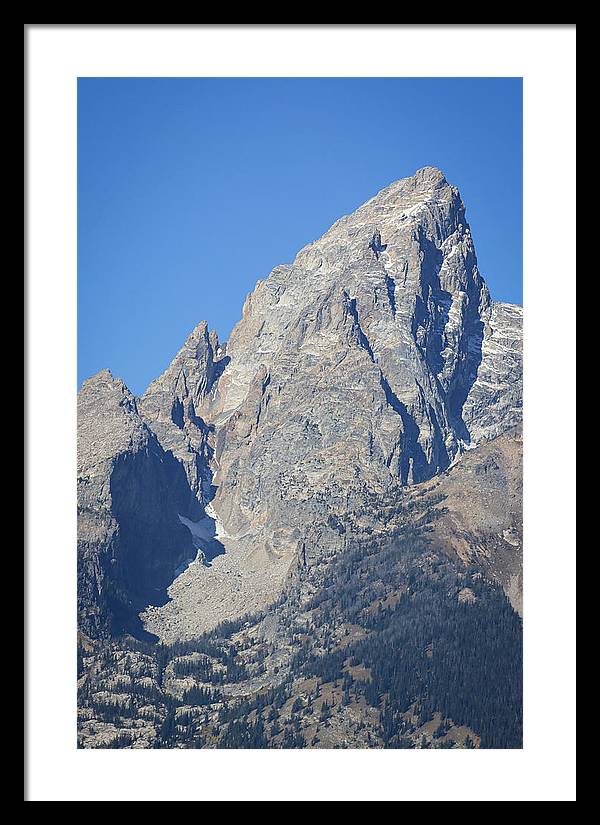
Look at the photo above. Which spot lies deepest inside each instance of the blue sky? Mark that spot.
(191, 189)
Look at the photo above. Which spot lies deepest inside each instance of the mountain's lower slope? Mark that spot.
(398, 640)
(478, 520)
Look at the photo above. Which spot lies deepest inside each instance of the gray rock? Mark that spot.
(356, 360)
(129, 494)
(172, 403)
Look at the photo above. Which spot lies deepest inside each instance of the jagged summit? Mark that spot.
(189, 374)
(424, 181)
(403, 200)
(429, 173)
(100, 376)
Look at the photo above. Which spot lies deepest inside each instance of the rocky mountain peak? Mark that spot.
(173, 404)
(429, 175)
(186, 380)
(374, 359)
(406, 262)
(107, 420)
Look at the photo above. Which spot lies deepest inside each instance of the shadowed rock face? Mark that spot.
(130, 491)
(374, 358)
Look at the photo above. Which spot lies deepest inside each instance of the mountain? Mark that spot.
(371, 387)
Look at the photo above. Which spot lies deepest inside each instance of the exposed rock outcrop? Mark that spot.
(172, 404)
(130, 493)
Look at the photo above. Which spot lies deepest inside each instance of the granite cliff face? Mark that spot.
(495, 400)
(374, 359)
(366, 347)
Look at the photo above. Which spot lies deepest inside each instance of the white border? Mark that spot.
(545, 57)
